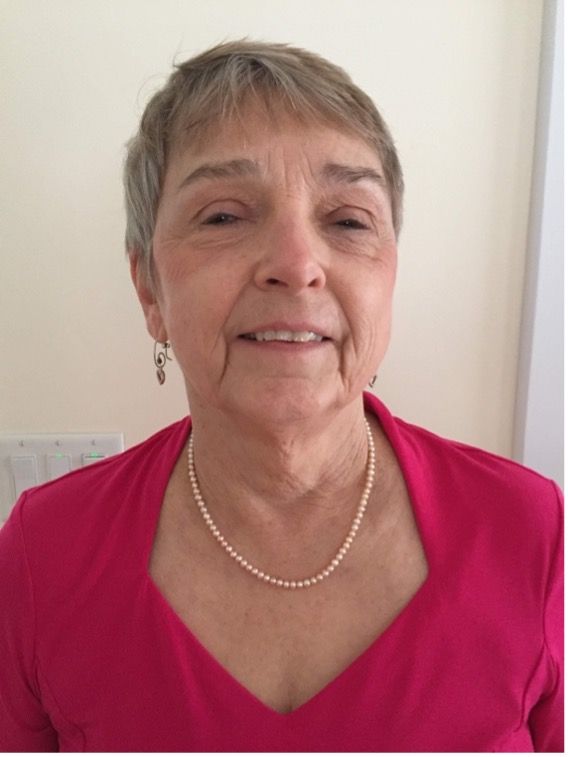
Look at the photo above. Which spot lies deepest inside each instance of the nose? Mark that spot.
(293, 257)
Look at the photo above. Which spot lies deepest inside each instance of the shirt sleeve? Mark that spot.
(24, 726)
(546, 719)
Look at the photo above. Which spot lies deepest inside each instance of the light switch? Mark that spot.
(58, 465)
(28, 459)
(24, 472)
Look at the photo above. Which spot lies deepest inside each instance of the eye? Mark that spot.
(351, 223)
(220, 219)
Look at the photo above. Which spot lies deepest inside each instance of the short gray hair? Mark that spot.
(213, 86)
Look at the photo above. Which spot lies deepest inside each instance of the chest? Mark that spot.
(286, 646)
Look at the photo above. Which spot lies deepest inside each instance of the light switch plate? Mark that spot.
(82, 449)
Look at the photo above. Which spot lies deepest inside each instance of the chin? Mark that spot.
(283, 402)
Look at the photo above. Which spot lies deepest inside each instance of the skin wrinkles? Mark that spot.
(242, 167)
(284, 256)
(250, 202)
(227, 173)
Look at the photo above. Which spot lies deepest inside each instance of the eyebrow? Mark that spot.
(350, 174)
(227, 170)
(331, 172)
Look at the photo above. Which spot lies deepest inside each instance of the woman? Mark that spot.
(291, 568)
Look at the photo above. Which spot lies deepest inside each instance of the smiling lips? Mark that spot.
(284, 336)
(297, 332)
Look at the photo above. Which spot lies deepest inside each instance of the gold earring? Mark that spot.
(160, 360)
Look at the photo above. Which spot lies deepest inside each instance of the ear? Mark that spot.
(148, 300)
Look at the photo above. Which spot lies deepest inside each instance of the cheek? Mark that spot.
(368, 309)
(373, 301)
(193, 316)
(197, 309)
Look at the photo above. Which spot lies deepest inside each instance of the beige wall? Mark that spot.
(455, 79)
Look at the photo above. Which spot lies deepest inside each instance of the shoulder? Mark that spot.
(89, 499)
(480, 472)
(481, 482)
(482, 516)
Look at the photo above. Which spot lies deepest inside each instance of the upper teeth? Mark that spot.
(285, 336)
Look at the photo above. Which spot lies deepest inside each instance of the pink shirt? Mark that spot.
(92, 658)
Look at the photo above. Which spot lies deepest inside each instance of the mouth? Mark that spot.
(301, 337)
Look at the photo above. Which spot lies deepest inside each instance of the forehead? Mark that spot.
(270, 140)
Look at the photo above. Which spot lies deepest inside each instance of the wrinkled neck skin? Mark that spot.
(268, 471)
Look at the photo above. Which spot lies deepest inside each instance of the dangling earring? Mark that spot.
(372, 381)
(160, 360)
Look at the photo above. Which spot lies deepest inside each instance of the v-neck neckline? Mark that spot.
(378, 409)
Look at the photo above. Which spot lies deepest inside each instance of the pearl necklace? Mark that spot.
(280, 582)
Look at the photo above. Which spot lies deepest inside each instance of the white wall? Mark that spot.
(456, 81)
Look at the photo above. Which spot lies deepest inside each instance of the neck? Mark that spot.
(247, 471)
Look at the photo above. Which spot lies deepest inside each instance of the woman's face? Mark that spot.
(274, 227)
